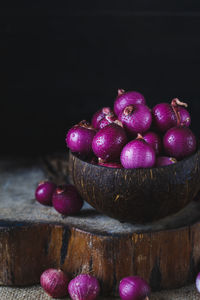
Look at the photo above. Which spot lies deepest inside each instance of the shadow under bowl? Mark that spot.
(137, 195)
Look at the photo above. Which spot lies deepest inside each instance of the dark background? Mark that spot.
(61, 61)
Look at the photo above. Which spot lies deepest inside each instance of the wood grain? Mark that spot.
(33, 237)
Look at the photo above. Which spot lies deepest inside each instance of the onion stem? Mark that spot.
(120, 92)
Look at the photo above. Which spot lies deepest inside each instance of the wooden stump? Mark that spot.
(34, 237)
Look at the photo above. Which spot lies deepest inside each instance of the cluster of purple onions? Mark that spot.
(65, 199)
(57, 284)
(133, 135)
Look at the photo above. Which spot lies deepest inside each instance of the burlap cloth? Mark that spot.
(36, 293)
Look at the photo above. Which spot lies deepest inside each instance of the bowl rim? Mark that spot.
(180, 162)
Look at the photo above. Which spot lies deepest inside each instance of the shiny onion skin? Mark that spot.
(84, 287)
(108, 142)
(184, 116)
(136, 119)
(163, 117)
(55, 283)
(44, 192)
(127, 98)
(66, 200)
(154, 140)
(138, 154)
(99, 115)
(134, 288)
(179, 142)
(166, 116)
(165, 161)
(79, 138)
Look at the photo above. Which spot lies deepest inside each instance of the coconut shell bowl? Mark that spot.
(137, 195)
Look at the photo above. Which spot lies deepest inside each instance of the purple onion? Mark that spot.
(66, 200)
(163, 117)
(84, 287)
(79, 138)
(165, 161)
(127, 98)
(179, 142)
(55, 283)
(154, 140)
(198, 282)
(44, 192)
(99, 115)
(136, 118)
(134, 288)
(108, 119)
(109, 141)
(166, 116)
(184, 116)
(138, 154)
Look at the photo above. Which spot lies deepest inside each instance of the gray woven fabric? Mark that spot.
(36, 293)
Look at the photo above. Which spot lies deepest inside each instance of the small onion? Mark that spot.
(136, 118)
(198, 282)
(165, 161)
(154, 140)
(44, 192)
(134, 288)
(127, 98)
(66, 200)
(179, 142)
(184, 116)
(109, 141)
(99, 115)
(55, 283)
(79, 138)
(138, 154)
(167, 115)
(84, 287)
(163, 117)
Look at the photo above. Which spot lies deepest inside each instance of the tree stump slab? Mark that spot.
(34, 237)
